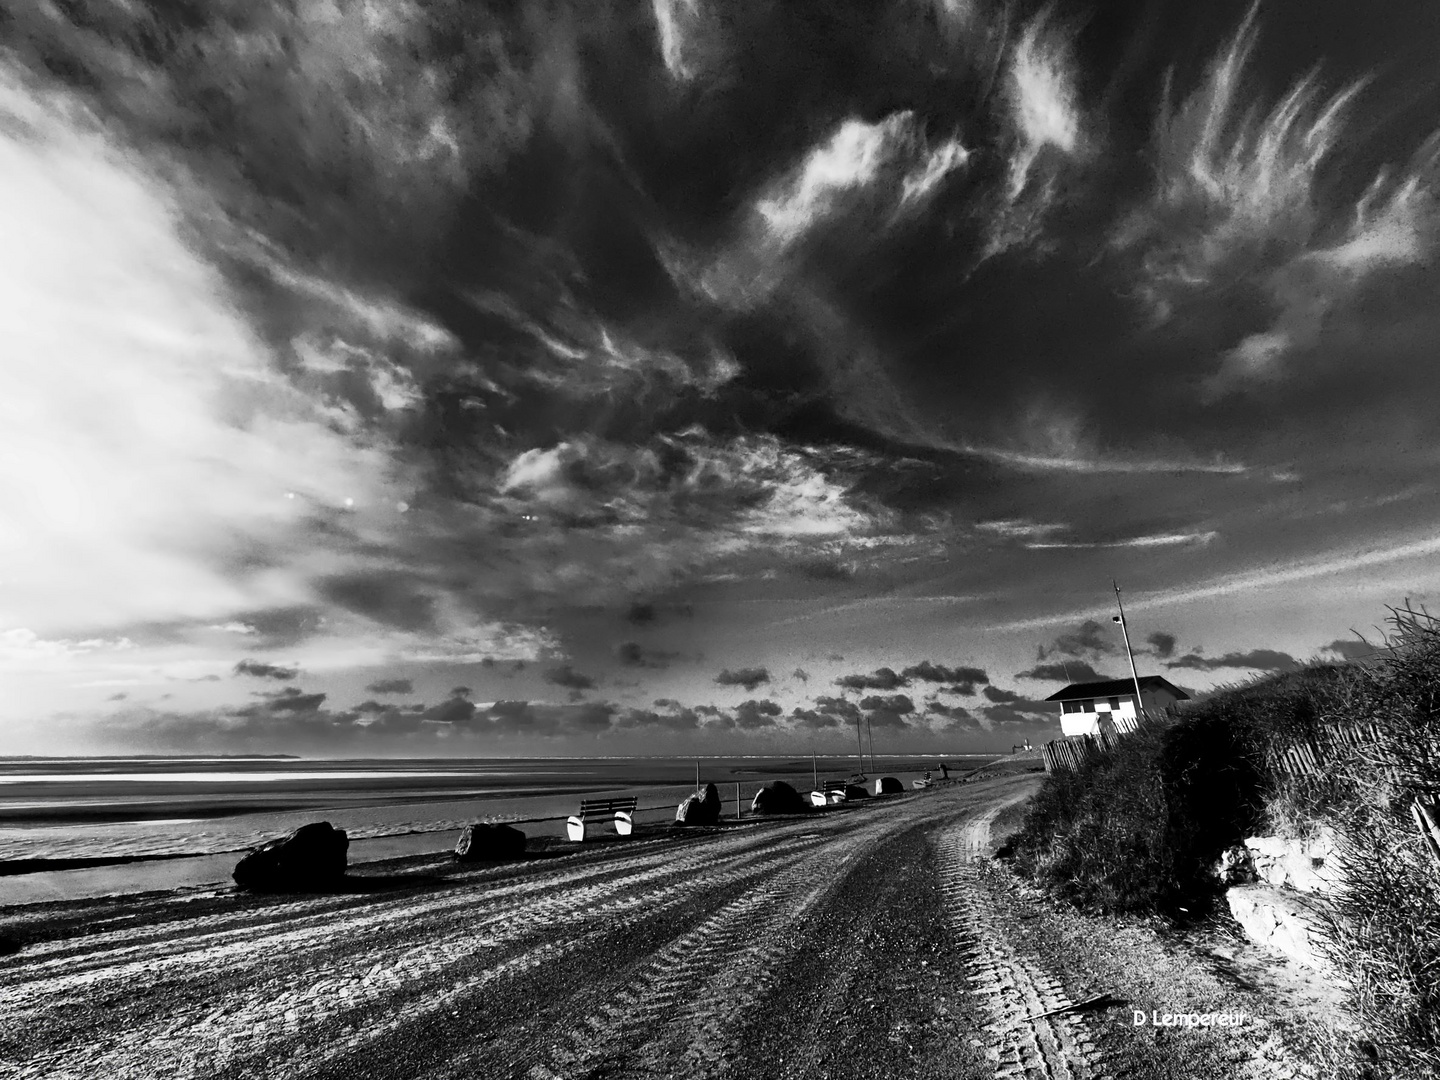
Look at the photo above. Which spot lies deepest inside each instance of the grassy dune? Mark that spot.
(1139, 831)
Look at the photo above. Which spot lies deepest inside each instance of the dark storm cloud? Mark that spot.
(880, 679)
(813, 719)
(293, 700)
(1255, 659)
(456, 710)
(1089, 640)
(801, 674)
(824, 568)
(749, 678)
(895, 703)
(1001, 697)
(1162, 644)
(567, 676)
(958, 718)
(621, 323)
(1350, 648)
(389, 597)
(675, 718)
(641, 614)
(926, 671)
(391, 686)
(633, 654)
(261, 670)
(751, 715)
(1022, 713)
(1068, 671)
(846, 711)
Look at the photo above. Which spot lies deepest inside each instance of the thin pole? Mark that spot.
(1139, 702)
(737, 798)
(860, 744)
(697, 776)
(814, 772)
(870, 734)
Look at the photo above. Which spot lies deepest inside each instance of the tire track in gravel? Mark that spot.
(251, 1019)
(1013, 985)
(732, 956)
(634, 963)
(101, 952)
(245, 945)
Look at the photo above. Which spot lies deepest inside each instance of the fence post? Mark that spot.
(1427, 816)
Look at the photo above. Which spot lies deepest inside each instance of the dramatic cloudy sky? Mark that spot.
(425, 376)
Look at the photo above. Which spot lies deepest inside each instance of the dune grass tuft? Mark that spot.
(1139, 831)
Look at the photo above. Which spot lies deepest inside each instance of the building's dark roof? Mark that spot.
(1116, 687)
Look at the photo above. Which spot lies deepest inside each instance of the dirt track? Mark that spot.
(860, 943)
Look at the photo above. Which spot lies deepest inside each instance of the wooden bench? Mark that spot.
(623, 809)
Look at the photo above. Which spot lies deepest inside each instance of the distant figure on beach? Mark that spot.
(944, 771)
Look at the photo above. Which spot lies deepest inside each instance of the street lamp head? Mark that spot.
(1115, 618)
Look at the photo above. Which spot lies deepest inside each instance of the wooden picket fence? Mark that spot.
(1075, 751)
(1310, 757)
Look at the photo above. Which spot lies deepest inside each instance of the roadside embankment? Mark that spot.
(1305, 794)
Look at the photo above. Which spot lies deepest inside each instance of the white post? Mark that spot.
(1124, 630)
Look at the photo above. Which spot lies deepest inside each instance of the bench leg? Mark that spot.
(623, 823)
(576, 828)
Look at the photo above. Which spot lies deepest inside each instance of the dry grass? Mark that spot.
(1139, 831)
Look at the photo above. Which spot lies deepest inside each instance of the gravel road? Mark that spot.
(856, 943)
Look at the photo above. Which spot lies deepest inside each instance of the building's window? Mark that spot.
(1088, 705)
(1070, 706)
(1114, 703)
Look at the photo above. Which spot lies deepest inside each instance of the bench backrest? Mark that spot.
(607, 806)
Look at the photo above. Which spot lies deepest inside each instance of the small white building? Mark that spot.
(1084, 705)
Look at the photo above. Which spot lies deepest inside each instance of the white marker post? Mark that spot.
(1139, 702)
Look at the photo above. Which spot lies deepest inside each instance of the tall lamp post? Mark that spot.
(1124, 630)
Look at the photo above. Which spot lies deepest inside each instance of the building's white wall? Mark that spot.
(1088, 723)
(1079, 723)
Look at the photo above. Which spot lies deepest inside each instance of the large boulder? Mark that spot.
(889, 785)
(1283, 921)
(700, 809)
(1307, 865)
(855, 791)
(479, 843)
(312, 857)
(778, 797)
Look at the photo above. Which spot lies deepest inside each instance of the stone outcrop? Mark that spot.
(1304, 865)
(1281, 920)
(1307, 866)
(889, 785)
(700, 809)
(312, 857)
(855, 791)
(778, 797)
(481, 843)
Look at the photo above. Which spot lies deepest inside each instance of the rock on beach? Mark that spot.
(778, 797)
(311, 857)
(700, 809)
(479, 842)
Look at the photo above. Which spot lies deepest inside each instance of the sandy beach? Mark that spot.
(872, 940)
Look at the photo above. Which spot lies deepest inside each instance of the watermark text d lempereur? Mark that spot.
(1156, 1018)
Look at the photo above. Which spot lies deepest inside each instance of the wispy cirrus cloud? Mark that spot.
(1156, 540)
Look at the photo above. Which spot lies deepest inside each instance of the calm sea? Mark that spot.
(59, 808)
